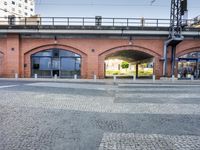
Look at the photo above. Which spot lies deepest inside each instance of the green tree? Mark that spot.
(125, 65)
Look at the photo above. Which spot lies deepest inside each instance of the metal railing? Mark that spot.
(87, 22)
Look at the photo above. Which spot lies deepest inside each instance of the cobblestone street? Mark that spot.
(38, 115)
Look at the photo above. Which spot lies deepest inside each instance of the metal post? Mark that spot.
(16, 75)
(55, 76)
(95, 78)
(134, 77)
(137, 70)
(154, 78)
(53, 21)
(83, 21)
(35, 76)
(173, 78)
(165, 60)
(157, 23)
(192, 77)
(68, 21)
(114, 78)
(25, 21)
(75, 76)
(173, 56)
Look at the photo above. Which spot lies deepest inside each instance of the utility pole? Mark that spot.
(178, 9)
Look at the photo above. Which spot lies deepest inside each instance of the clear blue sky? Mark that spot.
(111, 8)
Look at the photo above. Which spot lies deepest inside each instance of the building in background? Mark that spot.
(16, 9)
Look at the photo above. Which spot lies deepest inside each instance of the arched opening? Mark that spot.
(1, 64)
(126, 63)
(189, 65)
(56, 62)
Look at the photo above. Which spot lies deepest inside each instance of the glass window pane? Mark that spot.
(78, 63)
(36, 63)
(68, 64)
(45, 63)
(64, 53)
(56, 64)
(44, 53)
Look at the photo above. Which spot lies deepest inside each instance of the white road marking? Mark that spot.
(7, 86)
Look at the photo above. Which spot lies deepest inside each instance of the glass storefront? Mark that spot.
(189, 65)
(48, 63)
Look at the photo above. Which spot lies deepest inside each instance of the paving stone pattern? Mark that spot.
(73, 116)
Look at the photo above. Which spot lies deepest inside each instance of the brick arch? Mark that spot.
(27, 57)
(64, 47)
(189, 50)
(129, 47)
(103, 55)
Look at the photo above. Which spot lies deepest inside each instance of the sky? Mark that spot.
(111, 8)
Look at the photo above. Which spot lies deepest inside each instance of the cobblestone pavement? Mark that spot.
(79, 116)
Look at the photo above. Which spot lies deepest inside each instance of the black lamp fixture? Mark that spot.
(55, 39)
(130, 42)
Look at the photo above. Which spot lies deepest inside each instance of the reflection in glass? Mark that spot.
(68, 64)
(55, 64)
(45, 63)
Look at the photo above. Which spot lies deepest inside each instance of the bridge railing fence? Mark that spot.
(87, 21)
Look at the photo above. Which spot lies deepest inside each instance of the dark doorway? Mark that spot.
(56, 73)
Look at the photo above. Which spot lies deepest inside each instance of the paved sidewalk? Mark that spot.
(48, 115)
(106, 81)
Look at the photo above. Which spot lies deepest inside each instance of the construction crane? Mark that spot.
(178, 10)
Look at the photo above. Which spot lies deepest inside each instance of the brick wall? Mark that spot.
(17, 52)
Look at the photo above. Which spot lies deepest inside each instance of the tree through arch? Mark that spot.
(131, 53)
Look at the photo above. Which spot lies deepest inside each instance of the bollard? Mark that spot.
(75, 76)
(154, 78)
(173, 78)
(192, 77)
(95, 78)
(134, 78)
(114, 78)
(179, 76)
(55, 76)
(35, 76)
(16, 75)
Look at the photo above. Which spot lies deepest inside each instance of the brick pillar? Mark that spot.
(92, 65)
(12, 55)
(101, 66)
(157, 67)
